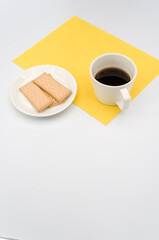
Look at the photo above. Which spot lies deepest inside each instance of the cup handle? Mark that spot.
(124, 99)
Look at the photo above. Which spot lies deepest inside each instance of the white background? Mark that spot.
(69, 177)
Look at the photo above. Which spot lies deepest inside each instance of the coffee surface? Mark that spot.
(112, 76)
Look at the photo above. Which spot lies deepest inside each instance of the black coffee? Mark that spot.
(112, 76)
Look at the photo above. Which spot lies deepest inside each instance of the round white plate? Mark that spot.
(61, 75)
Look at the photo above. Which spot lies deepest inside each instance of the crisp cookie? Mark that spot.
(36, 96)
(51, 86)
(54, 102)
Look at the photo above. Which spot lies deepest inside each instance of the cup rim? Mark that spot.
(119, 86)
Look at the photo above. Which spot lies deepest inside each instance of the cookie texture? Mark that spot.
(36, 96)
(52, 87)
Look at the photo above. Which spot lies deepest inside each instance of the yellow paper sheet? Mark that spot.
(73, 46)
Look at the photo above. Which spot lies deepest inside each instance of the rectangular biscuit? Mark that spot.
(52, 87)
(36, 96)
(54, 102)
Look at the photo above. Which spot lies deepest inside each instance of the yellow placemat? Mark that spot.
(73, 46)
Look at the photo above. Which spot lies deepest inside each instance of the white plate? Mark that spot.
(60, 74)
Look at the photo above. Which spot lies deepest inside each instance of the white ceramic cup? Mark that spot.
(113, 95)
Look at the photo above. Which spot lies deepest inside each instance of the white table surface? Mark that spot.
(69, 177)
